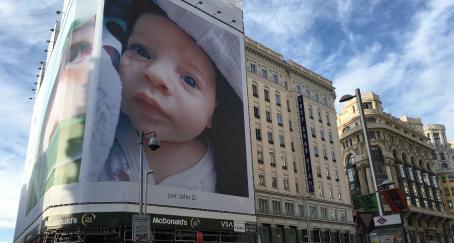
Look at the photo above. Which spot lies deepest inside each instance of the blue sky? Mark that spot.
(402, 50)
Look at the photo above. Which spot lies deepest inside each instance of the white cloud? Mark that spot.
(25, 27)
(28, 21)
(418, 80)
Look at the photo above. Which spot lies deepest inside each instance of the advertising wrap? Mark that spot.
(169, 69)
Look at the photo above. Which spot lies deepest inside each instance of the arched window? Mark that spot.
(346, 129)
(399, 166)
(379, 164)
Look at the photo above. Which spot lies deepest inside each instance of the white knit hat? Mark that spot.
(221, 45)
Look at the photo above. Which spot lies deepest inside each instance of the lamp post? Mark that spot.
(153, 144)
(366, 140)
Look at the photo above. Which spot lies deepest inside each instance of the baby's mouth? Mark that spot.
(150, 107)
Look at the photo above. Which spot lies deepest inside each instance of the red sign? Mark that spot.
(395, 199)
(199, 237)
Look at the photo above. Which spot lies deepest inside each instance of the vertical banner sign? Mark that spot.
(307, 155)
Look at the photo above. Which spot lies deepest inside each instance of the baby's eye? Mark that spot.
(78, 51)
(139, 50)
(190, 81)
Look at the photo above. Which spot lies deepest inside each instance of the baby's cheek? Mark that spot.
(124, 64)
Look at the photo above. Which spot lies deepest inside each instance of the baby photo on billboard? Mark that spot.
(181, 78)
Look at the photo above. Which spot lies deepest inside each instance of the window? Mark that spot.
(311, 115)
(278, 99)
(294, 166)
(290, 125)
(308, 92)
(261, 180)
(348, 143)
(452, 190)
(298, 89)
(258, 134)
(339, 196)
(275, 78)
(336, 175)
(268, 116)
(450, 204)
(324, 100)
(315, 151)
(320, 191)
(330, 193)
(254, 90)
(272, 159)
(274, 182)
(327, 173)
(280, 121)
(323, 213)
(446, 191)
(259, 157)
(437, 139)
(289, 209)
(286, 185)
(319, 173)
(264, 73)
(328, 122)
(253, 68)
(266, 93)
(288, 105)
(371, 120)
(301, 210)
(316, 96)
(332, 214)
(292, 145)
(342, 215)
(325, 155)
(330, 137)
(281, 140)
(284, 163)
(442, 156)
(371, 135)
(256, 112)
(322, 134)
(263, 205)
(333, 155)
(270, 138)
(313, 211)
(277, 207)
(313, 132)
(378, 163)
(319, 116)
(367, 105)
(297, 187)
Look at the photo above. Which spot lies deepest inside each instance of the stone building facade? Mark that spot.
(443, 157)
(285, 211)
(402, 154)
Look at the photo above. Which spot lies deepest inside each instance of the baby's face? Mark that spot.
(168, 81)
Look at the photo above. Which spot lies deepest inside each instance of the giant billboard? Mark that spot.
(125, 67)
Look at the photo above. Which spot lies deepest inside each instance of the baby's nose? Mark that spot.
(160, 76)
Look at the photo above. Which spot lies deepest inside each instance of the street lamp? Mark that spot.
(366, 139)
(153, 144)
